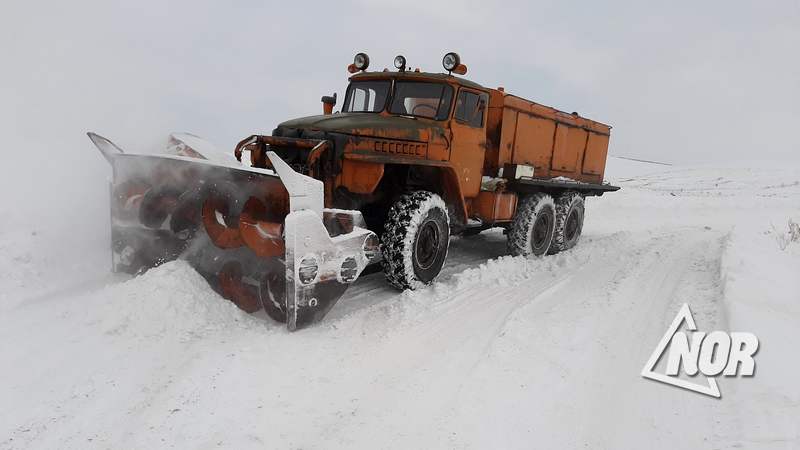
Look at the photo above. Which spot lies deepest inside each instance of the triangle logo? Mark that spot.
(684, 315)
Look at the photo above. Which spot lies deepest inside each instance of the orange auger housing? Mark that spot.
(261, 237)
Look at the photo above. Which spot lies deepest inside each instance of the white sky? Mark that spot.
(685, 82)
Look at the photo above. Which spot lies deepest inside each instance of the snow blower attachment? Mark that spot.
(260, 237)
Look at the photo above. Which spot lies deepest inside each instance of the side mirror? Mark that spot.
(328, 102)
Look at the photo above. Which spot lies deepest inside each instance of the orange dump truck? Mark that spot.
(409, 160)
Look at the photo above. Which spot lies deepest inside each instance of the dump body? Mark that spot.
(555, 143)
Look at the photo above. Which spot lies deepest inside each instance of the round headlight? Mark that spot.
(371, 247)
(400, 62)
(361, 61)
(451, 61)
(308, 269)
(349, 270)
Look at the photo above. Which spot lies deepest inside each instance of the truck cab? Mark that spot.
(411, 125)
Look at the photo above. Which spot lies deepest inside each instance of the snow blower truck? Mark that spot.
(411, 159)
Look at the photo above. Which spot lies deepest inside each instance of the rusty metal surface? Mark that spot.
(493, 207)
(553, 142)
(361, 177)
(547, 112)
(367, 124)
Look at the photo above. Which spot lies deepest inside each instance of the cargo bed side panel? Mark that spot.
(594, 160)
(534, 143)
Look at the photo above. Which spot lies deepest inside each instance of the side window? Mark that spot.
(366, 96)
(471, 107)
(362, 100)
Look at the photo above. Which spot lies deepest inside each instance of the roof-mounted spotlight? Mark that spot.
(400, 63)
(452, 63)
(360, 62)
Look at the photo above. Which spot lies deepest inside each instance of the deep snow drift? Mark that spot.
(502, 352)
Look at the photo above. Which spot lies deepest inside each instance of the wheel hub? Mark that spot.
(427, 245)
(541, 229)
(571, 227)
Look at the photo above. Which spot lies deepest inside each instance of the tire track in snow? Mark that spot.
(431, 354)
(606, 326)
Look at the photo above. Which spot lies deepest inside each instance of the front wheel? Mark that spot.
(415, 240)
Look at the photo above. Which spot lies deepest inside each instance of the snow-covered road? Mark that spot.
(505, 353)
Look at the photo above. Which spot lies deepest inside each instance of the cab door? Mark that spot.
(468, 139)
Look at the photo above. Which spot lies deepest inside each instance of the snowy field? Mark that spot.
(502, 352)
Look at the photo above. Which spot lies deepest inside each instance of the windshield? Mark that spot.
(366, 96)
(430, 100)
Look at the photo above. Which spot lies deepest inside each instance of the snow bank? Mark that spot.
(503, 271)
(172, 299)
(762, 296)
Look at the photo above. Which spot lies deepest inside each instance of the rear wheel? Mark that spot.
(415, 240)
(569, 221)
(533, 226)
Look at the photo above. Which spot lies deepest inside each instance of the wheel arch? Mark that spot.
(399, 178)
